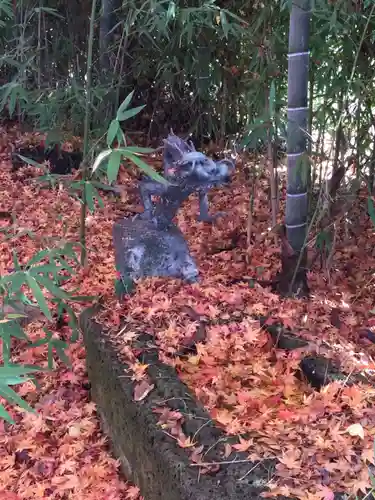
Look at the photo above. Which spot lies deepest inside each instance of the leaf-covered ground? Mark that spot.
(323, 440)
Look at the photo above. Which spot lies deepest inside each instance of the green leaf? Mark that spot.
(25, 300)
(15, 316)
(38, 294)
(96, 195)
(371, 209)
(62, 355)
(114, 165)
(64, 264)
(12, 371)
(5, 415)
(29, 161)
(51, 287)
(38, 257)
(112, 132)
(89, 197)
(45, 269)
(12, 329)
(171, 12)
(12, 103)
(136, 149)
(100, 185)
(11, 396)
(50, 356)
(7, 9)
(99, 159)
(224, 23)
(124, 105)
(40, 342)
(129, 113)
(16, 280)
(146, 168)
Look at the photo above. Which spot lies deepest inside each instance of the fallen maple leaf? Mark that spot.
(8, 495)
(286, 415)
(327, 493)
(142, 389)
(185, 442)
(132, 493)
(291, 459)
(196, 455)
(243, 445)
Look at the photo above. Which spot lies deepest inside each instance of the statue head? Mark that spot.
(197, 168)
(174, 150)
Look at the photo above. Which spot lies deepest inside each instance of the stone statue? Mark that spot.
(150, 244)
(188, 171)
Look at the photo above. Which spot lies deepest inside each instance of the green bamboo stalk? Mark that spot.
(82, 235)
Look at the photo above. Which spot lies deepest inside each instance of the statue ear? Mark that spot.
(226, 161)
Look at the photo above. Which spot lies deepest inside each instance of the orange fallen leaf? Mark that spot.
(185, 442)
(8, 495)
(142, 390)
(243, 445)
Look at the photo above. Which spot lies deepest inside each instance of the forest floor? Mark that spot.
(324, 440)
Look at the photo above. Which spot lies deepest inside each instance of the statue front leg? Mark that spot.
(204, 216)
(147, 189)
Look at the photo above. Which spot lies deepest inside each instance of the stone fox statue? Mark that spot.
(188, 171)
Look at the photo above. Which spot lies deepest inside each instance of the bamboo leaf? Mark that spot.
(146, 168)
(171, 13)
(89, 197)
(96, 196)
(224, 23)
(11, 396)
(29, 161)
(51, 287)
(113, 165)
(124, 105)
(38, 257)
(39, 297)
(16, 280)
(101, 156)
(60, 351)
(129, 113)
(136, 149)
(112, 132)
(12, 371)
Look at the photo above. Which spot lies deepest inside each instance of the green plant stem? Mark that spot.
(82, 235)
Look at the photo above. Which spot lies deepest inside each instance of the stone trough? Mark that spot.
(150, 458)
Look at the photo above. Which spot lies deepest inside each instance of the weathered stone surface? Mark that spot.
(174, 149)
(150, 244)
(143, 249)
(148, 456)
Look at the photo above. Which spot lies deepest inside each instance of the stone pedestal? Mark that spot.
(142, 249)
